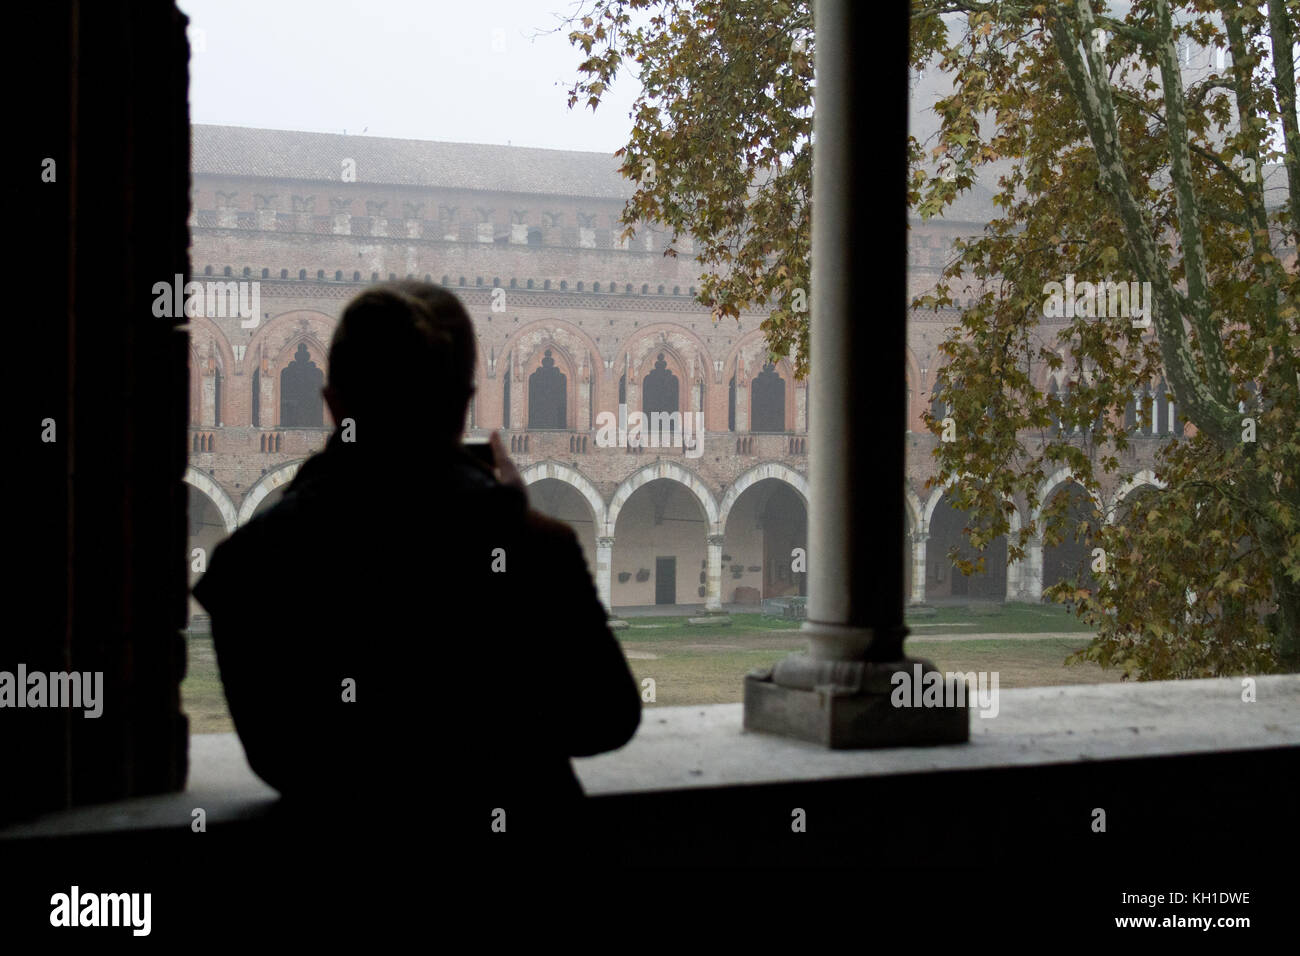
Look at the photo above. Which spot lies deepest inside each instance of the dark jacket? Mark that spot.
(470, 625)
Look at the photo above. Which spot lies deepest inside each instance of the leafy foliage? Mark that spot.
(1118, 173)
(1109, 167)
(721, 149)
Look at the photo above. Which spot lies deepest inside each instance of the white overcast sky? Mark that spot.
(411, 69)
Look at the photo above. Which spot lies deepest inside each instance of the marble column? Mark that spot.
(1029, 587)
(838, 694)
(713, 574)
(919, 540)
(604, 570)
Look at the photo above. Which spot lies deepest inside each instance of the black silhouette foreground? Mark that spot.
(400, 636)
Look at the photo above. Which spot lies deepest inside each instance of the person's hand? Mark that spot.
(507, 473)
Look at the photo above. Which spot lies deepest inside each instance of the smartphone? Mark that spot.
(479, 449)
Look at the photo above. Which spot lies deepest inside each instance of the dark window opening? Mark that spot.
(660, 393)
(301, 402)
(767, 401)
(547, 398)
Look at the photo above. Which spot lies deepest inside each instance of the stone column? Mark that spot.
(604, 570)
(1031, 571)
(713, 574)
(839, 693)
(919, 540)
(742, 406)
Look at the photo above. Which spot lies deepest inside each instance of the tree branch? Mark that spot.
(1093, 97)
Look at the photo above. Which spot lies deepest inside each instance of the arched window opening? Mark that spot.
(301, 402)
(547, 396)
(660, 394)
(505, 396)
(767, 401)
(257, 397)
(216, 398)
(938, 407)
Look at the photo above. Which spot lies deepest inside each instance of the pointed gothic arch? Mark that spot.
(302, 405)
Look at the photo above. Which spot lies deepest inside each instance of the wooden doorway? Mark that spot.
(665, 580)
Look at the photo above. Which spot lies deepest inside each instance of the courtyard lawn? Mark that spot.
(998, 619)
(202, 698)
(707, 671)
(707, 665)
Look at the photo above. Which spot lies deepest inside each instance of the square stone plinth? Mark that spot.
(843, 721)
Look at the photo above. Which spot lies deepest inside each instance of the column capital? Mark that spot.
(605, 541)
(716, 540)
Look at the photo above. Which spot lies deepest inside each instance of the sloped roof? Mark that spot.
(286, 154)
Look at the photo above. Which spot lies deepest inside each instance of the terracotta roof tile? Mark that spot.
(286, 154)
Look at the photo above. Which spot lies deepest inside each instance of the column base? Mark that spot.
(847, 706)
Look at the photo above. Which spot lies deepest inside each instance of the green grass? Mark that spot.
(704, 672)
(707, 665)
(999, 619)
(672, 628)
(201, 694)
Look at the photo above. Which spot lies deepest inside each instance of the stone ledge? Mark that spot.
(690, 747)
(684, 748)
(220, 781)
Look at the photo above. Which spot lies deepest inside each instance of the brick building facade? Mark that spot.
(572, 322)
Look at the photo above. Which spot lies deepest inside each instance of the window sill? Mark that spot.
(680, 748)
(689, 748)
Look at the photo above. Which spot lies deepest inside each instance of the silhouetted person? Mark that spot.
(399, 570)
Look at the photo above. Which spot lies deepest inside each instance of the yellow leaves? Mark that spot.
(1234, 585)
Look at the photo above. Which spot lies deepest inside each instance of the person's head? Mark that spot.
(402, 362)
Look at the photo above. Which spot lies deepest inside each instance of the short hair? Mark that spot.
(404, 354)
